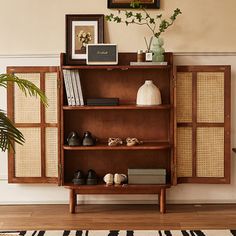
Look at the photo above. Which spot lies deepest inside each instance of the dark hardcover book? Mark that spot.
(102, 101)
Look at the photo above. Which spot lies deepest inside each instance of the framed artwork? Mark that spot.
(82, 30)
(126, 3)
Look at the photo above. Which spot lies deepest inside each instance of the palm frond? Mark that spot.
(27, 87)
(8, 133)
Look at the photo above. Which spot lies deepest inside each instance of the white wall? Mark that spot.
(33, 33)
(183, 193)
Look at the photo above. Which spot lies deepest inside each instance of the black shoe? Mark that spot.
(79, 178)
(92, 178)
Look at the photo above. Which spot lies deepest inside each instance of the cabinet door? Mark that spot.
(37, 160)
(203, 124)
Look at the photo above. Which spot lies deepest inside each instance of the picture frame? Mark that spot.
(155, 4)
(81, 30)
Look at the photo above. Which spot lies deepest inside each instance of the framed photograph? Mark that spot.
(80, 31)
(126, 3)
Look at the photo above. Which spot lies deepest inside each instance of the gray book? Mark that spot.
(147, 179)
(72, 95)
(66, 81)
(79, 87)
(75, 87)
(146, 171)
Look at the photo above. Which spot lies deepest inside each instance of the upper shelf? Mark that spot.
(119, 107)
(116, 67)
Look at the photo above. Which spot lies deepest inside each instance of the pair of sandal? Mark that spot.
(116, 179)
(118, 141)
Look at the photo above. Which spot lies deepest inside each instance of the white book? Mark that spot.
(148, 63)
(75, 88)
(65, 75)
(72, 94)
(79, 87)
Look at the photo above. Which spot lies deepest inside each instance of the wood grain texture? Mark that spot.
(126, 217)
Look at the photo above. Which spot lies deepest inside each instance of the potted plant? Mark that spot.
(156, 24)
(8, 132)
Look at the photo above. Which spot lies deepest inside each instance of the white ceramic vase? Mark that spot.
(148, 94)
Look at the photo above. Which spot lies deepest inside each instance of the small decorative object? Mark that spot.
(88, 139)
(155, 23)
(102, 54)
(148, 94)
(108, 179)
(157, 50)
(73, 139)
(148, 56)
(80, 31)
(127, 3)
(132, 142)
(120, 178)
(92, 178)
(79, 177)
(140, 56)
(114, 142)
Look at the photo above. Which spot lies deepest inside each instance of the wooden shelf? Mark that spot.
(104, 146)
(116, 67)
(118, 189)
(119, 107)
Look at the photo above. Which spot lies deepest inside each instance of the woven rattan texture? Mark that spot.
(210, 152)
(184, 152)
(51, 93)
(26, 109)
(28, 156)
(184, 97)
(210, 97)
(51, 152)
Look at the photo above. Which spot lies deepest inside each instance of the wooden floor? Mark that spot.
(128, 217)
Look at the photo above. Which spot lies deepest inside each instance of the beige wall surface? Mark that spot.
(38, 26)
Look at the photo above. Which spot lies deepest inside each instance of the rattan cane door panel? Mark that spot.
(23, 112)
(37, 160)
(28, 156)
(209, 108)
(210, 97)
(184, 152)
(210, 152)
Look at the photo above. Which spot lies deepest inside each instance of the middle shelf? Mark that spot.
(104, 146)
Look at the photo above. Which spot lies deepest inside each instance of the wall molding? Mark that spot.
(57, 55)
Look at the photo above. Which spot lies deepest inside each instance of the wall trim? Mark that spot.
(196, 202)
(57, 55)
(29, 56)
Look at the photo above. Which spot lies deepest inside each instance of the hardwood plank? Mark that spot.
(133, 217)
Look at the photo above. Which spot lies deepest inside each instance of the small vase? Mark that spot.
(148, 94)
(157, 49)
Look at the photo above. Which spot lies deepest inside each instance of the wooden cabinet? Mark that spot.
(188, 135)
(154, 125)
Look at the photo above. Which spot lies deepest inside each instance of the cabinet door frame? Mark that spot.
(42, 70)
(226, 69)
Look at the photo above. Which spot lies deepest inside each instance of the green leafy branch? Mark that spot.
(156, 24)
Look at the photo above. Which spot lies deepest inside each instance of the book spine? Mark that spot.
(147, 180)
(67, 87)
(71, 88)
(74, 84)
(79, 87)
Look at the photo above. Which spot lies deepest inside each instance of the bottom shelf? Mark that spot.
(118, 189)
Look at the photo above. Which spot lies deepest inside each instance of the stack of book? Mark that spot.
(73, 88)
(147, 176)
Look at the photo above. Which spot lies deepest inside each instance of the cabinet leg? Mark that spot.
(72, 200)
(162, 200)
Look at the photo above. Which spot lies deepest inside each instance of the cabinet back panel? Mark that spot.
(148, 125)
(122, 84)
(104, 162)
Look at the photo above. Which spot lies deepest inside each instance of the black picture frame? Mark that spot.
(154, 4)
(93, 24)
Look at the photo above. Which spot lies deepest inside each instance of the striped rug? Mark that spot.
(121, 233)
